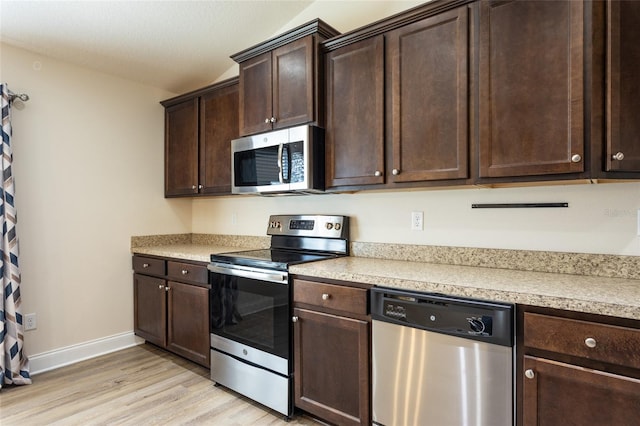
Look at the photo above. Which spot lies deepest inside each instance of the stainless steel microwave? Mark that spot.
(279, 162)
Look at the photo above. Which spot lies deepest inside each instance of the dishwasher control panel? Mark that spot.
(474, 319)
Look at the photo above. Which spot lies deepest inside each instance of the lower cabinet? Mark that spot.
(169, 313)
(579, 372)
(332, 352)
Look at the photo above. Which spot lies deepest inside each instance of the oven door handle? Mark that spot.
(274, 277)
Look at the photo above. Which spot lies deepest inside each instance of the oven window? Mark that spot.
(251, 312)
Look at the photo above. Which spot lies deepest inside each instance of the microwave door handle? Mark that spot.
(280, 176)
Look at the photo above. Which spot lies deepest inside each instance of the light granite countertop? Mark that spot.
(606, 285)
(616, 297)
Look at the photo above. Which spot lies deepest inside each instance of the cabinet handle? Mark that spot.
(184, 272)
(267, 121)
(273, 119)
(618, 156)
(377, 173)
(294, 319)
(395, 172)
(145, 265)
(325, 296)
(529, 374)
(576, 158)
(590, 342)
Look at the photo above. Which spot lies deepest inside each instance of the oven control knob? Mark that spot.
(337, 226)
(329, 225)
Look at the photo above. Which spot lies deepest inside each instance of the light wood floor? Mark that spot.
(142, 385)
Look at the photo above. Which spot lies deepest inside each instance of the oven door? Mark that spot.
(250, 306)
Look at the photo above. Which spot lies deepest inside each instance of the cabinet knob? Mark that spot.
(167, 288)
(590, 342)
(160, 286)
(193, 187)
(576, 158)
(529, 374)
(377, 173)
(145, 265)
(326, 296)
(200, 186)
(395, 172)
(184, 272)
(273, 119)
(267, 121)
(618, 156)
(294, 319)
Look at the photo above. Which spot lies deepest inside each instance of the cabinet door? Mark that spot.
(218, 126)
(563, 394)
(531, 88)
(293, 83)
(623, 86)
(355, 114)
(331, 367)
(181, 148)
(255, 95)
(429, 97)
(150, 309)
(188, 321)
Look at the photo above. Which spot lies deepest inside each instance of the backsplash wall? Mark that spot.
(601, 218)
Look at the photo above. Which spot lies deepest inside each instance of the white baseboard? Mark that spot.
(57, 358)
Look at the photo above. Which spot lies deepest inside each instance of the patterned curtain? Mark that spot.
(14, 365)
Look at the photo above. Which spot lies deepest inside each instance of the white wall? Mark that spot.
(600, 218)
(88, 166)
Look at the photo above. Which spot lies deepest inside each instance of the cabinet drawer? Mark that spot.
(148, 265)
(187, 272)
(342, 298)
(599, 342)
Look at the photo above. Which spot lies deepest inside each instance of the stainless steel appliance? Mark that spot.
(279, 162)
(250, 306)
(441, 360)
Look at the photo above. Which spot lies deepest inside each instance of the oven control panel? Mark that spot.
(324, 226)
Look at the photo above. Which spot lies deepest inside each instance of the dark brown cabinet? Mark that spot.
(354, 138)
(280, 80)
(531, 81)
(427, 63)
(169, 313)
(198, 129)
(622, 152)
(579, 372)
(332, 351)
(415, 79)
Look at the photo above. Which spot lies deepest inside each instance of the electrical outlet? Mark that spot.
(417, 221)
(30, 322)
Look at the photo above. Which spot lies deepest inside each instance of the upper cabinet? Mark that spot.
(531, 103)
(354, 137)
(281, 83)
(397, 103)
(199, 127)
(427, 64)
(623, 86)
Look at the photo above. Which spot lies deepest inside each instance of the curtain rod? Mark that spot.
(22, 96)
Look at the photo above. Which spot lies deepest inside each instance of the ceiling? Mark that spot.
(174, 45)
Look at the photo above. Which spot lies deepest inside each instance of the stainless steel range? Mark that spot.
(250, 306)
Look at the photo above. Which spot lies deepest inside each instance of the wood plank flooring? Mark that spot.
(142, 385)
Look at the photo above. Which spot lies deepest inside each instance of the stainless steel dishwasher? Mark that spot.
(440, 360)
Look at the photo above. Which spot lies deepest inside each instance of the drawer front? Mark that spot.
(148, 265)
(599, 342)
(342, 298)
(187, 272)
